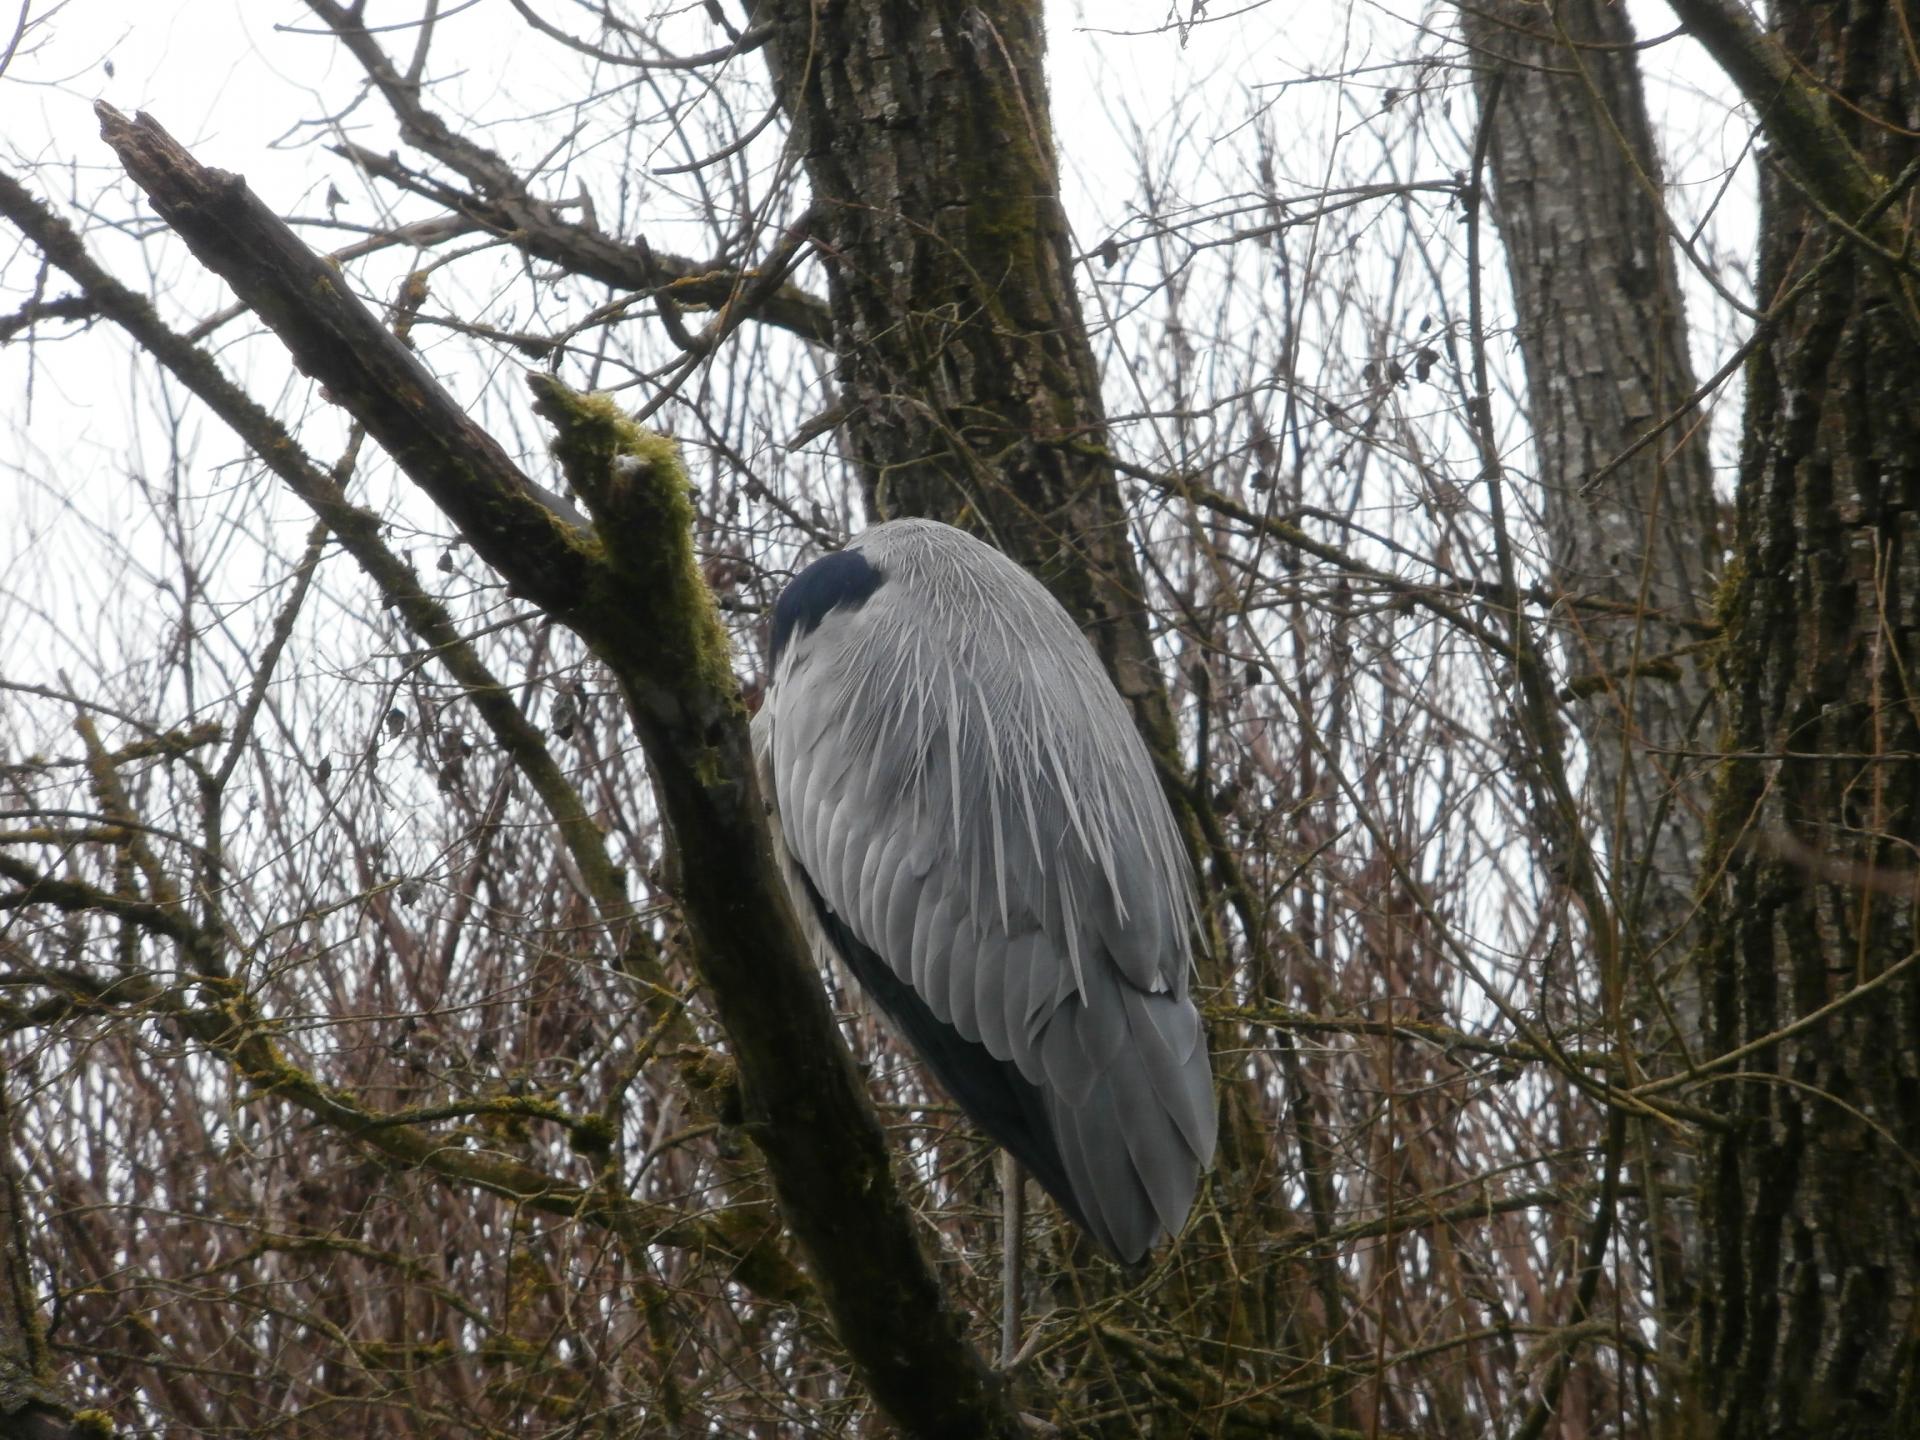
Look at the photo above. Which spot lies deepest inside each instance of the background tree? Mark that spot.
(1627, 508)
(393, 1045)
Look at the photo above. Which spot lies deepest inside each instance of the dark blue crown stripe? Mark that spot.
(845, 579)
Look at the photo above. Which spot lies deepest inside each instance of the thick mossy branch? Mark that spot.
(635, 486)
(591, 431)
(1793, 112)
(632, 589)
(652, 619)
(1813, 139)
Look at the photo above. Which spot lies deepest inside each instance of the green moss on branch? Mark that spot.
(636, 487)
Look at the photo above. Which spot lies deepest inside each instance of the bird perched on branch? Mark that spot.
(970, 822)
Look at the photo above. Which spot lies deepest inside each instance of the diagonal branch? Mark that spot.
(333, 337)
(1791, 111)
(633, 591)
(358, 530)
(1796, 119)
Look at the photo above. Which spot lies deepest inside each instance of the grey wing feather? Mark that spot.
(1166, 1038)
(1101, 1168)
(964, 790)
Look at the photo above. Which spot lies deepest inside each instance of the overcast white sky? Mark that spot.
(236, 78)
(241, 81)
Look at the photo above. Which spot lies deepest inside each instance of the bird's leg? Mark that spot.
(1011, 1227)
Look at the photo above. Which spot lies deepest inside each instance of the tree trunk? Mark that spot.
(1808, 1318)
(968, 389)
(1602, 331)
(31, 1405)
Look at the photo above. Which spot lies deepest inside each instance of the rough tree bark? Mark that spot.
(1602, 331)
(968, 390)
(1633, 523)
(1809, 1324)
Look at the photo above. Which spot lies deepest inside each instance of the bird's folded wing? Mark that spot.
(1015, 895)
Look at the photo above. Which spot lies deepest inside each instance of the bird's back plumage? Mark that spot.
(971, 819)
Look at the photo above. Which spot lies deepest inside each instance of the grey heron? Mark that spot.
(970, 822)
